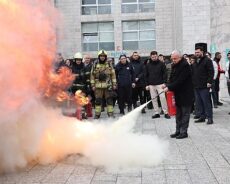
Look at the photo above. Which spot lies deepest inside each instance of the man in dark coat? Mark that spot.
(139, 89)
(203, 73)
(181, 84)
(125, 80)
(156, 77)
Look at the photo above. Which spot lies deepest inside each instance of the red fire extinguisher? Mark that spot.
(171, 103)
(79, 113)
(89, 110)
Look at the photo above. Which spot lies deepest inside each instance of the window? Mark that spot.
(93, 7)
(139, 35)
(135, 6)
(97, 36)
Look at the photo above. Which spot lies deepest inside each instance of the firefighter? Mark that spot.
(103, 82)
(79, 82)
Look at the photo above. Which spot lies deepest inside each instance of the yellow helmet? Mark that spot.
(102, 52)
(78, 55)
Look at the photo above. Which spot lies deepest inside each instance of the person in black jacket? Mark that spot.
(180, 83)
(203, 72)
(139, 89)
(87, 72)
(125, 80)
(155, 77)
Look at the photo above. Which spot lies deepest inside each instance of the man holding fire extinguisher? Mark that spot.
(180, 83)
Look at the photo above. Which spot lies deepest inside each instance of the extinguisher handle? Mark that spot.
(157, 95)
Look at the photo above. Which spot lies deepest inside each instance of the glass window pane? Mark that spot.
(89, 10)
(106, 37)
(130, 45)
(90, 39)
(148, 24)
(147, 35)
(148, 7)
(146, 1)
(104, 1)
(88, 2)
(105, 26)
(104, 9)
(150, 45)
(127, 26)
(89, 28)
(90, 46)
(106, 46)
(130, 36)
(129, 8)
(129, 1)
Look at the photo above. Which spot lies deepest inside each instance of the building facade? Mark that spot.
(142, 25)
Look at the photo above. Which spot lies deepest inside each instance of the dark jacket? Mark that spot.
(125, 74)
(155, 73)
(202, 73)
(181, 83)
(87, 72)
(78, 70)
(139, 68)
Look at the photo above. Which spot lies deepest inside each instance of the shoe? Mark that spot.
(96, 116)
(122, 112)
(143, 111)
(175, 135)
(196, 117)
(167, 116)
(219, 103)
(156, 116)
(129, 109)
(110, 115)
(229, 113)
(209, 122)
(200, 120)
(84, 116)
(215, 106)
(182, 136)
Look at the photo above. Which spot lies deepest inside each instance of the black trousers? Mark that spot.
(138, 92)
(182, 118)
(124, 95)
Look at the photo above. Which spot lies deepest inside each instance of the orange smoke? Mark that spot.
(27, 49)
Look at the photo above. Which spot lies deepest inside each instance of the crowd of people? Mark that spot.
(133, 81)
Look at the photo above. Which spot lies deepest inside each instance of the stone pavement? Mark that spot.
(202, 158)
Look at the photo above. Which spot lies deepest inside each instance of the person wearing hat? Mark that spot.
(125, 80)
(77, 67)
(103, 82)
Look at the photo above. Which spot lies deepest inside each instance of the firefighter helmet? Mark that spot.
(102, 52)
(78, 55)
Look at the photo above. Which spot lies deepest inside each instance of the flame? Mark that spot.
(80, 98)
(56, 84)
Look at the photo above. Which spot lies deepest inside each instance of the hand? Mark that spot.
(147, 88)
(133, 85)
(166, 89)
(209, 85)
(93, 88)
(114, 87)
(163, 86)
(137, 79)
